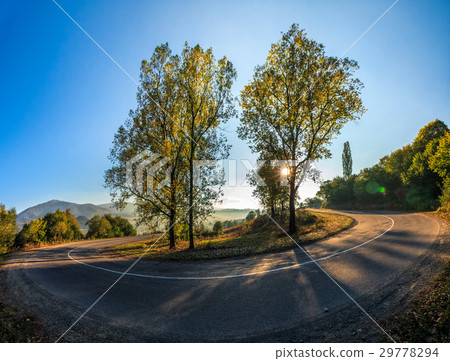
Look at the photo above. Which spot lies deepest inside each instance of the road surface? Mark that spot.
(216, 300)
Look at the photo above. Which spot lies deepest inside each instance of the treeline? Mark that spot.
(57, 227)
(52, 228)
(415, 177)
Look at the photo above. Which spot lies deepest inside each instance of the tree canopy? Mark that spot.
(181, 101)
(413, 177)
(347, 162)
(296, 103)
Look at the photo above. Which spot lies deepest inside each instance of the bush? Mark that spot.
(33, 232)
(8, 228)
(61, 226)
(313, 202)
(251, 215)
(444, 199)
(218, 227)
(108, 226)
(305, 218)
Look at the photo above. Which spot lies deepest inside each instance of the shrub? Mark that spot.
(250, 215)
(8, 228)
(33, 232)
(108, 226)
(218, 227)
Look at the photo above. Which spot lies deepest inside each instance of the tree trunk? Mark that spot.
(172, 215)
(191, 199)
(272, 210)
(172, 229)
(292, 224)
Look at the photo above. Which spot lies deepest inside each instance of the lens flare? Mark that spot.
(285, 171)
(372, 187)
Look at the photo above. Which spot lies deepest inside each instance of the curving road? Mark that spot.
(213, 300)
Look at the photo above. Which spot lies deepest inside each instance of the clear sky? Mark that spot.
(62, 99)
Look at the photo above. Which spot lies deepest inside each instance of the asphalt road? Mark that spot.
(213, 300)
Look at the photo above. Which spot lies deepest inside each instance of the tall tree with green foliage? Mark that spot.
(347, 162)
(205, 88)
(419, 173)
(156, 128)
(439, 160)
(296, 103)
(181, 102)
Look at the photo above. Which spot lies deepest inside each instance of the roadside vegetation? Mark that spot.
(55, 228)
(258, 235)
(428, 316)
(15, 326)
(415, 177)
(108, 226)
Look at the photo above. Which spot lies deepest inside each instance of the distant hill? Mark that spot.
(228, 214)
(87, 210)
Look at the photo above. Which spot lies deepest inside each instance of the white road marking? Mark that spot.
(297, 265)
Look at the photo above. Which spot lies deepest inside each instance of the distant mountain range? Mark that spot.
(86, 211)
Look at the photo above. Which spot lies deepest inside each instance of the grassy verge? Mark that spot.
(427, 318)
(259, 235)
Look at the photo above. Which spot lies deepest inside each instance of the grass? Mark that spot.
(427, 318)
(18, 327)
(259, 235)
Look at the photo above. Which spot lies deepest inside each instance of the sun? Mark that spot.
(285, 171)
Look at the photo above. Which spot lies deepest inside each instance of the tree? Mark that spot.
(337, 192)
(61, 226)
(439, 160)
(347, 163)
(181, 102)
(8, 228)
(155, 127)
(218, 227)
(33, 232)
(419, 174)
(251, 215)
(99, 227)
(205, 86)
(271, 193)
(314, 202)
(399, 162)
(296, 103)
(120, 226)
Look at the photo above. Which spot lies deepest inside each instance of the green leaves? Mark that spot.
(181, 101)
(8, 228)
(296, 103)
(299, 99)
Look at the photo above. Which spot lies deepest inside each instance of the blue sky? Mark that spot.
(62, 99)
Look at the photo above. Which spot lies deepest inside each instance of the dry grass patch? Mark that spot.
(260, 235)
